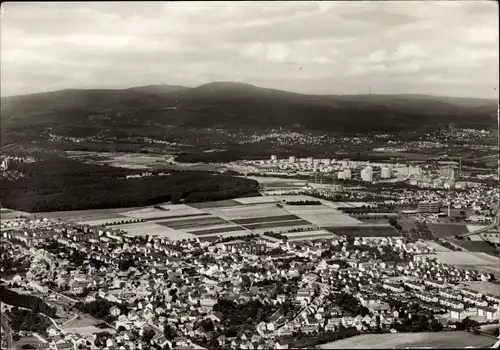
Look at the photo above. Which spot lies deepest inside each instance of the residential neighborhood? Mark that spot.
(249, 292)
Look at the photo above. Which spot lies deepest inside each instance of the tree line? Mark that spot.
(31, 302)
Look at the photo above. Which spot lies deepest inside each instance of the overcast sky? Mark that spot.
(440, 48)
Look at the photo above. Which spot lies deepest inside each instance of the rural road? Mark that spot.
(7, 330)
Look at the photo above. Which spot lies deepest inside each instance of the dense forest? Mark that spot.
(25, 320)
(100, 309)
(61, 184)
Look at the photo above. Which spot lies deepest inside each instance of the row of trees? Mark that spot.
(303, 203)
(31, 302)
(276, 235)
(394, 223)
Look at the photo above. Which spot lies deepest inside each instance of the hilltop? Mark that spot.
(232, 106)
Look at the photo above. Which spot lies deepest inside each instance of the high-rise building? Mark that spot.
(274, 158)
(310, 160)
(344, 174)
(385, 173)
(367, 174)
(292, 159)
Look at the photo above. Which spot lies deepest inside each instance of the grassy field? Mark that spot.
(437, 247)
(468, 259)
(447, 230)
(412, 340)
(473, 228)
(475, 246)
(9, 214)
(124, 160)
(484, 287)
(88, 215)
(85, 326)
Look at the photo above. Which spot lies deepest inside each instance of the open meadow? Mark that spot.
(436, 247)
(480, 261)
(9, 214)
(412, 340)
(84, 325)
(478, 246)
(122, 160)
(484, 287)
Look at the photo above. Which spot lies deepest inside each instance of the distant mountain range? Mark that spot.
(237, 106)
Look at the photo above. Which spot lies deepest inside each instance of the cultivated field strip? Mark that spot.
(193, 223)
(216, 231)
(374, 231)
(245, 212)
(212, 227)
(256, 200)
(165, 218)
(216, 204)
(278, 224)
(310, 233)
(265, 219)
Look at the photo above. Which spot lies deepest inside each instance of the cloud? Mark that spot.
(311, 46)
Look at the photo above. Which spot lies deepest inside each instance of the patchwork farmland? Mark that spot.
(236, 217)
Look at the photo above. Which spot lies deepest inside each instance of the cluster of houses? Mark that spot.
(153, 282)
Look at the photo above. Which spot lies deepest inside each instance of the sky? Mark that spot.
(448, 48)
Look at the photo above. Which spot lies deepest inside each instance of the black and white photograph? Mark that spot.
(249, 175)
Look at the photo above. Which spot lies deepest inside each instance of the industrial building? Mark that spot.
(448, 172)
(429, 207)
